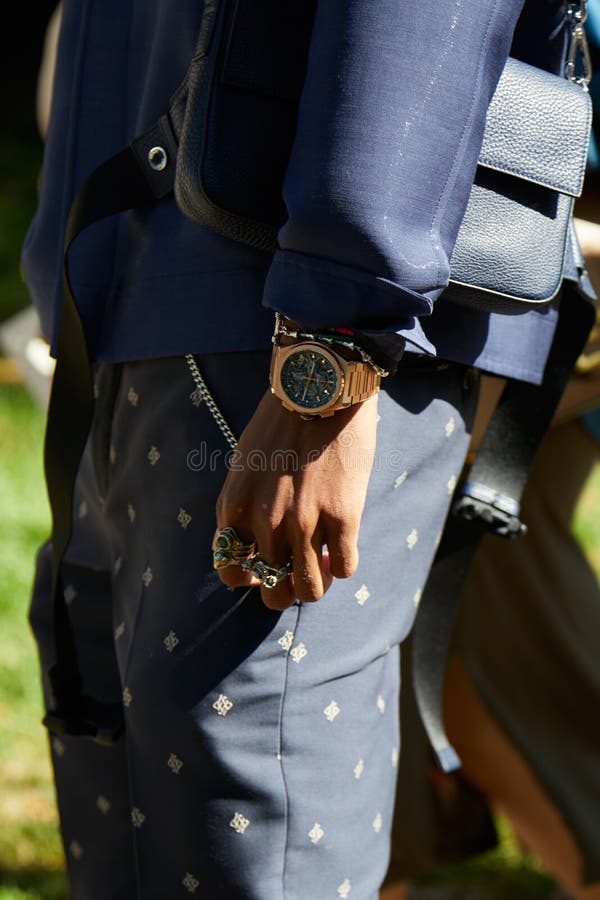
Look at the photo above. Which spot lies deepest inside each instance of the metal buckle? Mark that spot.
(579, 63)
(498, 512)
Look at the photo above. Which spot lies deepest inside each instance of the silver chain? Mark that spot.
(579, 63)
(210, 402)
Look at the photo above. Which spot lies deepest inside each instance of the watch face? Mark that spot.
(310, 379)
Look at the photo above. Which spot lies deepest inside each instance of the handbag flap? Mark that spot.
(538, 128)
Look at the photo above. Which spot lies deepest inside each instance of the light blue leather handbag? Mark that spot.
(513, 242)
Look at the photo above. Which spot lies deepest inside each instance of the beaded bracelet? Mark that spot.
(341, 336)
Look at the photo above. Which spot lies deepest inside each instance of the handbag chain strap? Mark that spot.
(579, 63)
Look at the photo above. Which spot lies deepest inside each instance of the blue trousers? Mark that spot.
(260, 749)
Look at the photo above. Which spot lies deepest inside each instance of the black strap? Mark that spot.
(138, 175)
(488, 500)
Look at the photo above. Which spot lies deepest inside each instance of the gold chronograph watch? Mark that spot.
(316, 380)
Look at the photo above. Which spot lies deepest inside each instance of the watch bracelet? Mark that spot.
(362, 383)
(363, 390)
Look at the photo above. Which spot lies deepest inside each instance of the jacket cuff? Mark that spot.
(319, 294)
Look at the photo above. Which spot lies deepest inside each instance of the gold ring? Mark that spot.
(229, 549)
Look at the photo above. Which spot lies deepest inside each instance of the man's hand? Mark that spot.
(296, 486)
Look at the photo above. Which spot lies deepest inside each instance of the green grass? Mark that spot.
(24, 525)
(506, 873)
(586, 524)
(31, 860)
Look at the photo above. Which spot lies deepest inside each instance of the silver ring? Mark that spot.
(269, 576)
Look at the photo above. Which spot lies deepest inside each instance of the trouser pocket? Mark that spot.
(88, 597)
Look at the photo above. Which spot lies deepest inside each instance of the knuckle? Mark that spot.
(299, 521)
(234, 503)
(272, 520)
(230, 512)
(344, 523)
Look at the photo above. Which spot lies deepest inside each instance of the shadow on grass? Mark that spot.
(32, 883)
(489, 877)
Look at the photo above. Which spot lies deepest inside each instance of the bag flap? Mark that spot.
(538, 128)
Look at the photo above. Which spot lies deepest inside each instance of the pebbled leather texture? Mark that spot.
(512, 243)
(534, 128)
(513, 240)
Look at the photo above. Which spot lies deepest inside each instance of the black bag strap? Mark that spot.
(140, 174)
(488, 500)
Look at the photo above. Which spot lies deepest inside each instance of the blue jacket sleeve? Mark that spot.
(389, 132)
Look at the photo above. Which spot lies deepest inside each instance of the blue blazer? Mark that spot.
(390, 127)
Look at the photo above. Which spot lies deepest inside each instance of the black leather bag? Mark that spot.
(247, 74)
